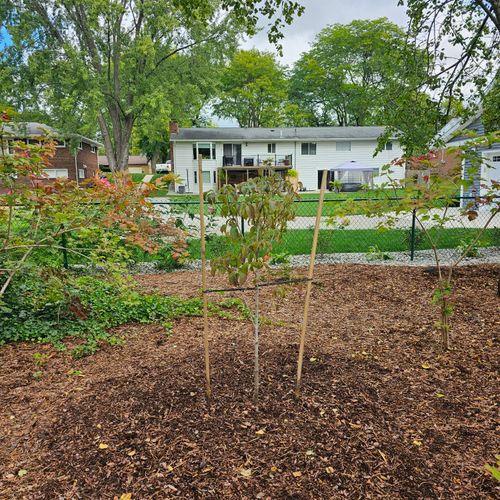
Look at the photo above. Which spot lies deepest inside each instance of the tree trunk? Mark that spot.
(256, 347)
(154, 160)
(117, 147)
(445, 325)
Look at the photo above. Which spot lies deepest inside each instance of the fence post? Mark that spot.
(412, 237)
(242, 226)
(64, 244)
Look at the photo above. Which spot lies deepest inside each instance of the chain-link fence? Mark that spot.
(407, 239)
(407, 234)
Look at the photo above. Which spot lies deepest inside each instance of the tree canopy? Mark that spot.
(253, 90)
(107, 61)
(366, 73)
(472, 29)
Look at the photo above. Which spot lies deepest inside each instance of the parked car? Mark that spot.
(163, 168)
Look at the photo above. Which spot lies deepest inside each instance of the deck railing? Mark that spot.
(259, 160)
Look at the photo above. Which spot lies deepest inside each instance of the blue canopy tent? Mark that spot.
(352, 174)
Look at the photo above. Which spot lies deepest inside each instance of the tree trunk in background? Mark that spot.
(154, 160)
(117, 146)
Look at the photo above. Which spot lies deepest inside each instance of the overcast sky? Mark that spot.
(321, 13)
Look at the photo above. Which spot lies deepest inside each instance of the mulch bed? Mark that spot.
(372, 421)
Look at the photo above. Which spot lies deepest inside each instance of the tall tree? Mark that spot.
(470, 31)
(365, 73)
(106, 58)
(253, 90)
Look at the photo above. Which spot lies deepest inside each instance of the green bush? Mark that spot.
(49, 305)
(136, 178)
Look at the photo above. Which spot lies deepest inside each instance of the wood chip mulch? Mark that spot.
(384, 413)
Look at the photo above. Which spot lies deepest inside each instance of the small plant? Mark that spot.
(336, 186)
(494, 470)
(374, 253)
(279, 258)
(75, 373)
(469, 248)
(40, 359)
(292, 173)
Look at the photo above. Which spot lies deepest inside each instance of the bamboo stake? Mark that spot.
(309, 283)
(204, 278)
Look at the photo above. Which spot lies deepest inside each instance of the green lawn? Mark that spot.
(299, 241)
(306, 207)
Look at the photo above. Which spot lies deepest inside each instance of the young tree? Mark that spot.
(36, 216)
(266, 205)
(104, 59)
(432, 204)
(254, 90)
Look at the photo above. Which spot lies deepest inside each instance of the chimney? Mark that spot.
(174, 127)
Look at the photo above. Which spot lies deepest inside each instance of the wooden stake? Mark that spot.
(309, 283)
(204, 278)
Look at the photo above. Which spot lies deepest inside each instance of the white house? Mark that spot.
(490, 170)
(232, 154)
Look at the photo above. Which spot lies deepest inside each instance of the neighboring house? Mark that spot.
(490, 171)
(137, 164)
(77, 165)
(234, 154)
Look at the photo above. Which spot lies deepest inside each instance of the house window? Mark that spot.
(496, 158)
(81, 173)
(93, 149)
(206, 177)
(308, 148)
(56, 173)
(271, 148)
(80, 145)
(207, 149)
(33, 142)
(388, 146)
(215, 176)
(60, 144)
(343, 145)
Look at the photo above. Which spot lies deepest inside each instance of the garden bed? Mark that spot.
(384, 413)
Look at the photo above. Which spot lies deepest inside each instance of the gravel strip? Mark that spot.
(422, 258)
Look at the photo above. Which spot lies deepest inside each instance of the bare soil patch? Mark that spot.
(372, 421)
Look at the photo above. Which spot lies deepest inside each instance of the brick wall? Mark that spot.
(85, 159)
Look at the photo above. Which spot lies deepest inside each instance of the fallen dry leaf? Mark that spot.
(246, 473)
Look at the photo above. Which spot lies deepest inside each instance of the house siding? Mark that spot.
(308, 166)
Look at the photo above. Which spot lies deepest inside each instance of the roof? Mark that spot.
(277, 134)
(132, 160)
(353, 165)
(35, 129)
(455, 125)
